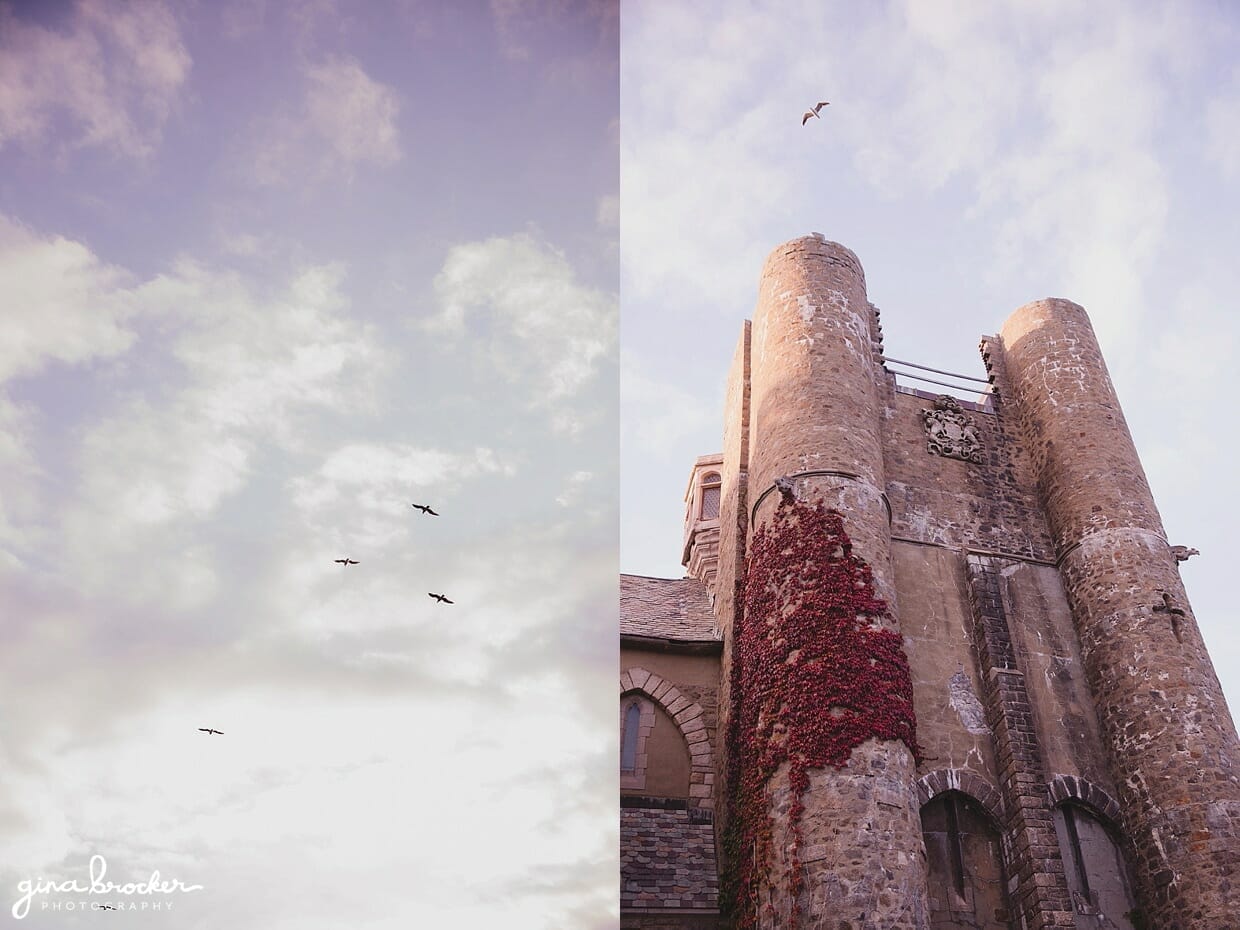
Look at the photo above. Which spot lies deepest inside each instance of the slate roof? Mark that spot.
(667, 860)
(666, 608)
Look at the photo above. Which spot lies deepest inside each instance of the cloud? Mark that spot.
(658, 411)
(1223, 129)
(61, 302)
(535, 29)
(607, 216)
(705, 147)
(62, 305)
(575, 487)
(243, 371)
(348, 120)
(366, 489)
(112, 77)
(540, 329)
(506, 14)
(356, 114)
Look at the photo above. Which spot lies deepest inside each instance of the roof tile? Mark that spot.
(666, 608)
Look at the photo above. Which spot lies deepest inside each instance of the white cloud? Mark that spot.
(575, 486)
(349, 120)
(658, 412)
(61, 303)
(356, 114)
(361, 494)
(703, 130)
(251, 366)
(180, 799)
(1061, 156)
(114, 74)
(542, 330)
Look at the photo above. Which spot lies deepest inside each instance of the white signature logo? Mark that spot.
(98, 868)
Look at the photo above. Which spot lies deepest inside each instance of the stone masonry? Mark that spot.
(1075, 763)
(816, 421)
(1169, 737)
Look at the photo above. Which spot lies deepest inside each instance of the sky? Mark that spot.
(976, 157)
(270, 273)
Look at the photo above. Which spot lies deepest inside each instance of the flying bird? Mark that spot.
(441, 598)
(424, 508)
(106, 907)
(346, 561)
(209, 730)
(814, 112)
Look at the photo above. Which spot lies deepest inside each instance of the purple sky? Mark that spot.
(269, 273)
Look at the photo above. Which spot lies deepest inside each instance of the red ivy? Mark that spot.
(813, 677)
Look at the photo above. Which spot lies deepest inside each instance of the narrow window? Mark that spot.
(710, 496)
(628, 739)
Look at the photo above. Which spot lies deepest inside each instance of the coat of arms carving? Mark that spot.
(949, 432)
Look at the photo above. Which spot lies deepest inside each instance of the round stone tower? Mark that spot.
(815, 393)
(817, 407)
(1171, 743)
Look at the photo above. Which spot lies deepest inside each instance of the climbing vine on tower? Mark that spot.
(813, 677)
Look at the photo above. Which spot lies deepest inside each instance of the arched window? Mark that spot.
(628, 737)
(710, 496)
(1094, 867)
(966, 865)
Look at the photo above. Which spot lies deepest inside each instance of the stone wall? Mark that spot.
(990, 505)
(1053, 655)
(1170, 741)
(685, 691)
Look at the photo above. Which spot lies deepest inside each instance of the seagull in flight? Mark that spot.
(441, 598)
(208, 730)
(106, 907)
(814, 112)
(424, 508)
(346, 561)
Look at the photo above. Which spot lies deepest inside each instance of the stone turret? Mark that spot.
(1170, 740)
(700, 552)
(845, 844)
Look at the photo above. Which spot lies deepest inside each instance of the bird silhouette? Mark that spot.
(424, 508)
(209, 730)
(346, 562)
(106, 907)
(814, 112)
(441, 598)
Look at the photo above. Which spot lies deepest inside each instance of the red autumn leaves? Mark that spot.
(813, 677)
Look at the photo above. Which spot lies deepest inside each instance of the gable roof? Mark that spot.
(666, 608)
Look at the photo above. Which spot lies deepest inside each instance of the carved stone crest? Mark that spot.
(949, 432)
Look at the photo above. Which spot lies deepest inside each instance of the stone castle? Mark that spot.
(933, 665)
